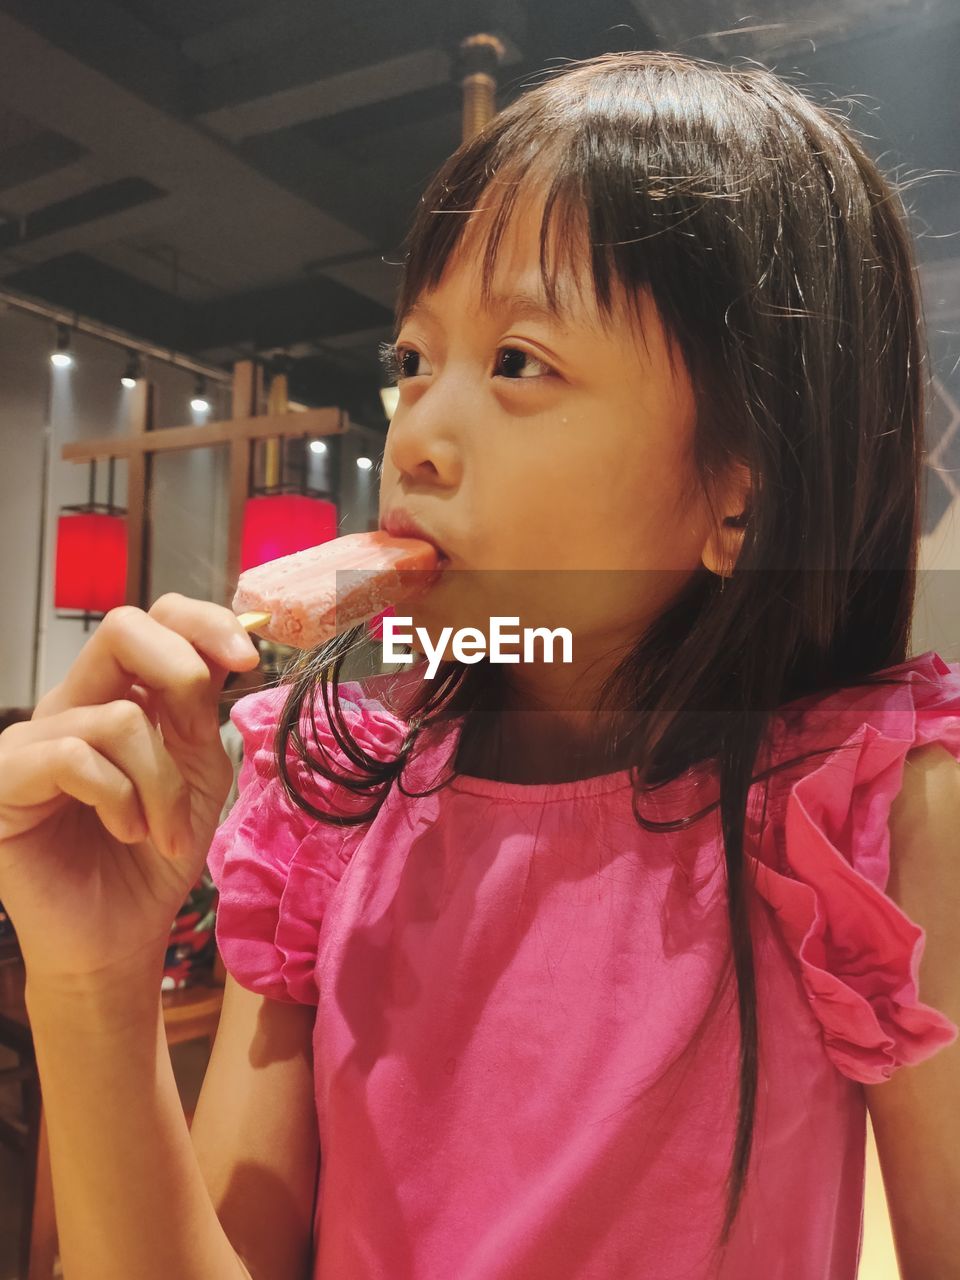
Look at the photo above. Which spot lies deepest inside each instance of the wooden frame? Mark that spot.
(246, 426)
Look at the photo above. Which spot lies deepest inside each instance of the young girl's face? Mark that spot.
(524, 444)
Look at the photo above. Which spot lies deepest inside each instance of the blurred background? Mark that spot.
(192, 186)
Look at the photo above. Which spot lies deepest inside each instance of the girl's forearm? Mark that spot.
(129, 1194)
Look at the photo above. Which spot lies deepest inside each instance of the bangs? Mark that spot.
(572, 264)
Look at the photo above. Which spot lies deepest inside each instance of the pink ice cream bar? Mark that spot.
(305, 599)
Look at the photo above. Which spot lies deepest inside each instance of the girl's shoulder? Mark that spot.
(823, 862)
(371, 708)
(275, 863)
(919, 697)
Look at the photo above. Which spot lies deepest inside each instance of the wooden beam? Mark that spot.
(240, 433)
(247, 389)
(312, 422)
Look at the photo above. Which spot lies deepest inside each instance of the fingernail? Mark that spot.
(242, 647)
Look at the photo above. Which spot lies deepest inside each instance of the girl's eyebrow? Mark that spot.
(520, 306)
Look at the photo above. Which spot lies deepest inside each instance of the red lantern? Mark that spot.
(91, 573)
(283, 523)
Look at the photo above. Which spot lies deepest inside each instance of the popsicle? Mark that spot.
(304, 599)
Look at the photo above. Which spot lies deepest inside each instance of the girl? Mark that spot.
(586, 969)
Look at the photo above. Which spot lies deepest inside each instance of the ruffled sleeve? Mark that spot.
(824, 868)
(275, 866)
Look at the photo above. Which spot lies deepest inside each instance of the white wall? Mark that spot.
(936, 622)
(359, 490)
(937, 612)
(23, 411)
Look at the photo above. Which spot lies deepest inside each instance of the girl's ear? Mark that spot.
(722, 550)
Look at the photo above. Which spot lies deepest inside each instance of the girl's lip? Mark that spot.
(398, 524)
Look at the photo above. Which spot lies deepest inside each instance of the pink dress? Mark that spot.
(525, 1067)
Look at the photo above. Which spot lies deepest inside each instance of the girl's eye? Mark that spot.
(401, 362)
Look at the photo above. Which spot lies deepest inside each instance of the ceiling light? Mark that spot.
(200, 403)
(364, 463)
(318, 446)
(133, 371)
(61, 358)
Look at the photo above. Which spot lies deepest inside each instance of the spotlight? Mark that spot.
(364, 463)
(133, 371)
(61, 358)
(318, 446)
(200, 403)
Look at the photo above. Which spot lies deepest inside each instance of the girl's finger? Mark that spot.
(147, 700)
(212, 629)
(40, 773)
(132, 647)
(121, 733)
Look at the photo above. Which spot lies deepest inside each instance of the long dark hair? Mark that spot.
(780, 262)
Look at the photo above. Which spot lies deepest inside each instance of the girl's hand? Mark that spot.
(110, 794)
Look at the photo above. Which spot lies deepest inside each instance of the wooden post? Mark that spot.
(138, 490)
(277, 402)
(247, 395)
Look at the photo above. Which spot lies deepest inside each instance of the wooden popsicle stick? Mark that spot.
(253, 621)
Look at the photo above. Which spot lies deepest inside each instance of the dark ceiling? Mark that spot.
(224, 177)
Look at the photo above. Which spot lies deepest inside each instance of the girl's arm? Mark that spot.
(916, 1114)
(129, 1194)
(255, 1132)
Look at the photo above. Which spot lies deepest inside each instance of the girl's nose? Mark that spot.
(422, 445)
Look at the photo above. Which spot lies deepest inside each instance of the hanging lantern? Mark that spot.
(280, 524)
(280, 519)
(91, 562)
(91, 558)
